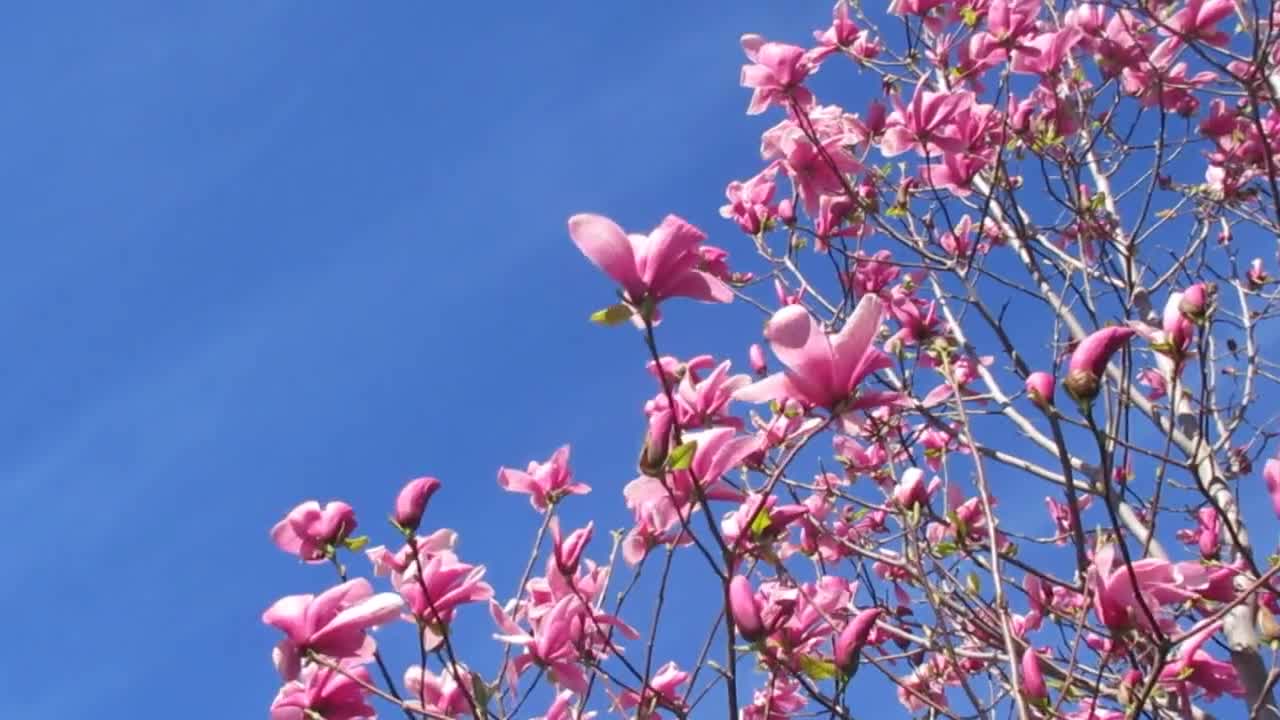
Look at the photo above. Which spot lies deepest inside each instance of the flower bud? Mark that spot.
(657, 444)
(1040, 389)
(743, 609)
(756, 355)
(853, 638)
(1196, 301)
(412, 502)
(1090, 359)
(1033, 685)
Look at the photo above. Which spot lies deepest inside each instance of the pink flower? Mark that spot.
(441, 694)
(1197, 21)
(1195, 301)
(567, 551)
(1271, 476)
(751, 203)
(562, 708)
(1155, 381)
(1032, 677)
(653, 267)
(849, 644)
(1090, 359)
(756, 356)
(434, 588)
(661, 692)
(779, 699)
(546, 483)
(326, 693)
(312, 532)
(925, 124)
(1159, 582)
(821, 370)
(776, 74)
(333, 623)
(549, 643)
(1040, 388)
(1196, 667)
(911, 489)
(744, 609)
(412, 502)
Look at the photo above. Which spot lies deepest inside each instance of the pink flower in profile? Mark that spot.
(751, 202)
(333, 623)
(851, 640)
(776, 74)
(546, 482)
(434, 588)
(1271, 476)
(1090, 359)
(663, 691)
(321, 692)
(441, 694)
(1199, 18)
(1033, 684)
(653, 267)
(779, 699)
(312, 532)
(1194, 666)
(562, 709)
(549, 643)
(1040, 388)
(821, 370)
(744, 609)
(1159, 582)
(412, 501)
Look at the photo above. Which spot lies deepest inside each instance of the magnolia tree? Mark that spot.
(1017, 305)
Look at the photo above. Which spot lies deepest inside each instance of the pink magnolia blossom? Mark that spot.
(562, 708)
(1198, 20)
(312, 532)
(776, 74)
(1271, 476)
(1040, 388)
(1033, 684)
(821, 370)
(441, 694)
(849, 644)
(649, 268)
(549, 643)
(751, 202)
(333, 623)
(779, 699)
(661, 692)
(412, 501)
(756, 357)
(321, 692)
(924, 124)
(436, 586)
(1155, 381)
(659, 504)
(1194, 666)
(1089, 361)
(744, 609)
(545, 482)
(1159, 582)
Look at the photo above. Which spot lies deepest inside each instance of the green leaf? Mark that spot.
(682, 457)
(613, 315)
(760, 522)
(817, 668)
(944, 549)
(356, 543)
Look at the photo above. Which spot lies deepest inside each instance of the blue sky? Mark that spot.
(260, 252)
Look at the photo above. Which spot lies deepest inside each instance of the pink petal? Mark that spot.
(606, 245)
